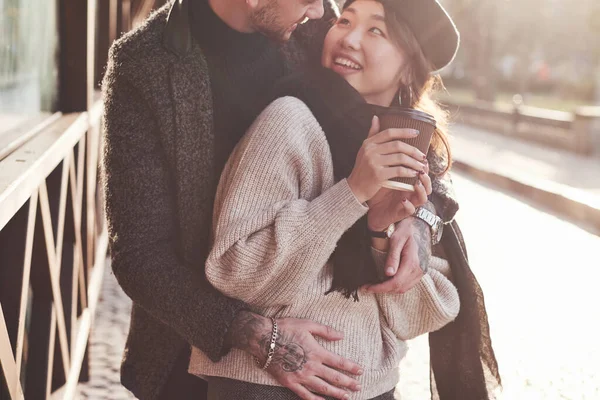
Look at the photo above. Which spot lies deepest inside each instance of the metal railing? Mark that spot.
(53, 238)
(53, 242)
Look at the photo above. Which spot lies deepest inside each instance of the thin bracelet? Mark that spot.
(271, 347)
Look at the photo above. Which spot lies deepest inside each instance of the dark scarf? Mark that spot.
(345, 118)
(463, 364)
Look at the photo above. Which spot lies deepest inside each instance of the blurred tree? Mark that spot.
(528, 42)
(475, 21)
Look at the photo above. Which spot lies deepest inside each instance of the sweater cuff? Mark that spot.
(338, 201)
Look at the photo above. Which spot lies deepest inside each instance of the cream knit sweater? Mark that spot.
(277, 218)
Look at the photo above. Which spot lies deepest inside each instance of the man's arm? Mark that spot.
(142, 224)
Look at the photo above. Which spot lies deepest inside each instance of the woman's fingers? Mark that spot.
(420, 194)
(318, 385)
(409, 209)
(426, 181)
(402, 159)
(374, 126)
(398, 172)
(395, 134)
(397, 146)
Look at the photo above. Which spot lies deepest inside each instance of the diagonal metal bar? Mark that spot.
(54, 277)
(90, 196)
(7, 361)
(26, 274)
(95, 284)
(62, 208)
(50, 357)
(77, 196)
(74, 300)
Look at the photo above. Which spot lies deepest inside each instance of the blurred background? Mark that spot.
(524, 99)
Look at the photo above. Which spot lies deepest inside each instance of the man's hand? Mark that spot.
(299, 363)
(408, 257)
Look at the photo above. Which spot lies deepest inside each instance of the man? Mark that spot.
(180, 91)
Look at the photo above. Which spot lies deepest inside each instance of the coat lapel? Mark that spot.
(193, 151)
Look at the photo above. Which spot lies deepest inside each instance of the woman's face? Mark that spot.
(359, 48)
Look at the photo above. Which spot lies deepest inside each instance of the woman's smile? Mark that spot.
(345, 64)
(359, 48)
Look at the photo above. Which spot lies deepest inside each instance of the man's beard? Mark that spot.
(266, 21)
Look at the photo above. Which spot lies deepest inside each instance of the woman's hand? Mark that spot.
(382, 157)
(300, 363)
(389, 206)
(408, 257)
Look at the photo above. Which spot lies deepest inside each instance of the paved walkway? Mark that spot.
(560, 181)
(107, 343)
(526, 160)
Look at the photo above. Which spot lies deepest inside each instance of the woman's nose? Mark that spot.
(352, 40)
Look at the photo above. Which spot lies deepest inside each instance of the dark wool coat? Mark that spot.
(157, 172)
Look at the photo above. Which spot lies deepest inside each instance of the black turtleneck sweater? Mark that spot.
(243, 69)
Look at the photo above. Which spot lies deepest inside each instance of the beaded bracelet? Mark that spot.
(271, 347)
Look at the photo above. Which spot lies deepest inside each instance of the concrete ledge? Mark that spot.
(575, 204)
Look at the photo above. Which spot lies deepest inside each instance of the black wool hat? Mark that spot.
(432, 26)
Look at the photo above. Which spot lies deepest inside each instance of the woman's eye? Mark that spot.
(377, 31)
(343, 21)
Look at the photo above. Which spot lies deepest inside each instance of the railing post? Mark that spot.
(517, 102)
(586, 129)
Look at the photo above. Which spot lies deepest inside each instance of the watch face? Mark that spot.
(439, 235)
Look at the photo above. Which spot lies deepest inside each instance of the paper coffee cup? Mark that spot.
(401, 117)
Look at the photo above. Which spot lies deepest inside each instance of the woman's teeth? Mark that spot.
(346, 63)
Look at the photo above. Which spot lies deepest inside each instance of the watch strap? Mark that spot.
(385, 234)
(378, 234)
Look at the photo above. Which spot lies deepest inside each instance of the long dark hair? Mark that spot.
(418, 80)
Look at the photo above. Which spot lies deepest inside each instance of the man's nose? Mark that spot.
(315, 10)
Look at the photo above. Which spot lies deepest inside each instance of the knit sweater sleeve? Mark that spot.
(272, 233)
(427, 307)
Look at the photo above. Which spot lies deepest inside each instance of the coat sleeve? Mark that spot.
(141, 219)
(271, 239)
(427, 307)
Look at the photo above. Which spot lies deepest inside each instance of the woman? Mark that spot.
(290, 237)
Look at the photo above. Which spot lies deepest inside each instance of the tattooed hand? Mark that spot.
(300, 363)
(408, 257)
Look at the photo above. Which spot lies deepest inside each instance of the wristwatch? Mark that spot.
(435, 223)
(385, 234)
